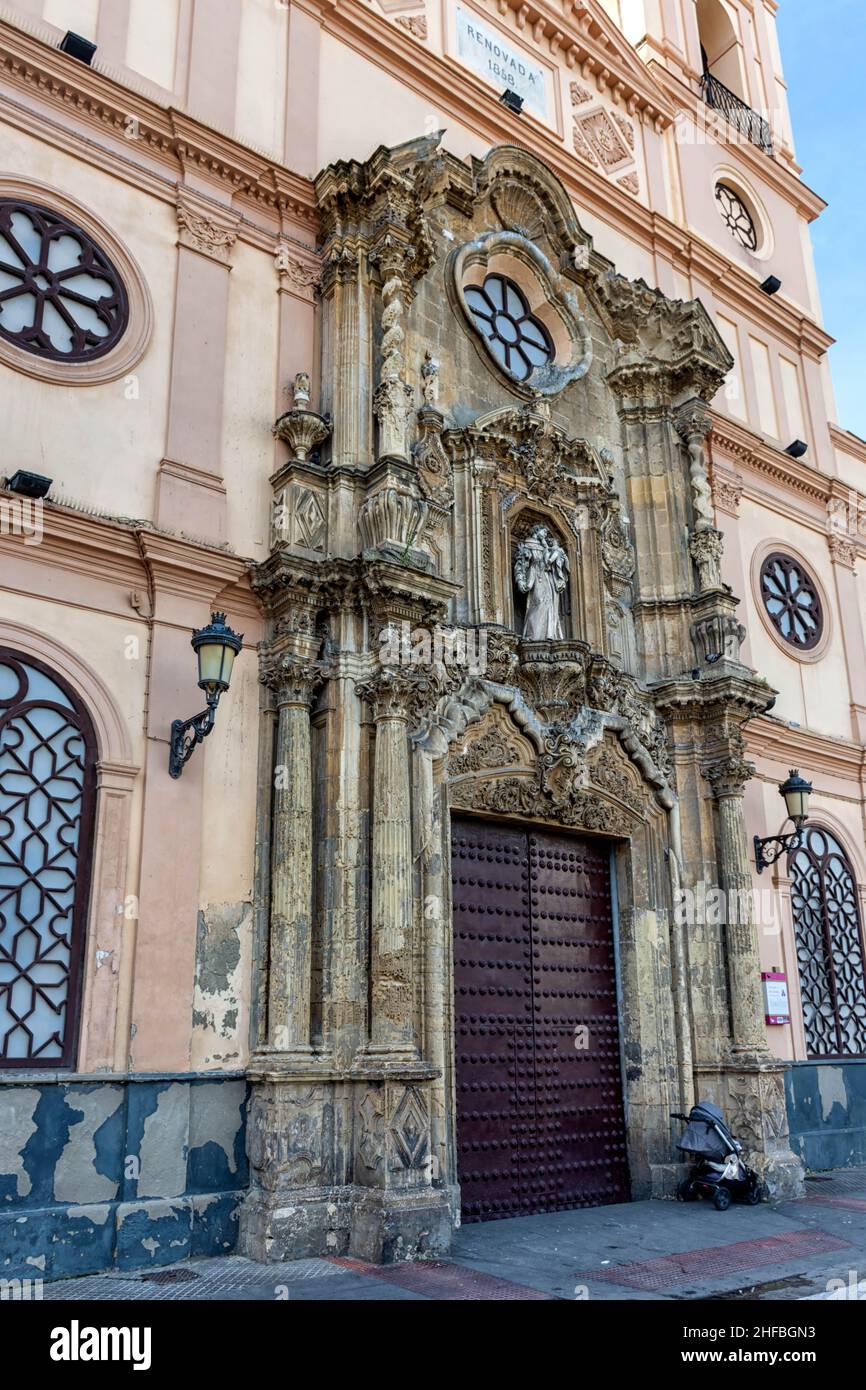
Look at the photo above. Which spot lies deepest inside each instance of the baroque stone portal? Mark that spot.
(446, 495)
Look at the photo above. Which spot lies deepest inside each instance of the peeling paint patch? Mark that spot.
(98, 1213)
(219, 934)
(76, 1178)
(831, 1088)
(164, 1145)
(18, 1125)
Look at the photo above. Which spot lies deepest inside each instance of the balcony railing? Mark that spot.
(735, 111)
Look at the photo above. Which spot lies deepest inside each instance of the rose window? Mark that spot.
(60, 295)
(792, 601)
(516, 338)
(736, 217)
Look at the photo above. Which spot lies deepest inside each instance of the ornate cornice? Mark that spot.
(165, 135)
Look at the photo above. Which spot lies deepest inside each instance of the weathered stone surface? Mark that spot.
(600, 728)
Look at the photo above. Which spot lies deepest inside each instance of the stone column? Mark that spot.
(294, 678)
(390, 693)
(728, 777)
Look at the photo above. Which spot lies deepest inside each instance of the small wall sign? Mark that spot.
(776, 1007)
(487, 51)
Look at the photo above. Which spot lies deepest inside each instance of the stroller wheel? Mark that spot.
(686, 1191)
(721, 1199)
(753, 1196)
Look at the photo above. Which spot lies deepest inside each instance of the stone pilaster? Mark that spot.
(294, 678)
(391, 693)
(752, 1090)
(727, 776)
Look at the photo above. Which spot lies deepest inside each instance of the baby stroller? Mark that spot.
(719, 1173)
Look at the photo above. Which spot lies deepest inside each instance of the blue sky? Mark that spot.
(822, 45)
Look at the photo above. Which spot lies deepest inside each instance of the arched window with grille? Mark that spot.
(829, 939)
(47, 797)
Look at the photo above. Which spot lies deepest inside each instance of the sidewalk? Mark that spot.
(639, 1250)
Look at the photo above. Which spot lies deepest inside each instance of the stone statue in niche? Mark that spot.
(541, 573)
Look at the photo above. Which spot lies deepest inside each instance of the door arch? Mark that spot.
(48, 753)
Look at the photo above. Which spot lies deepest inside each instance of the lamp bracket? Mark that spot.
(187, 734)
(768, 850)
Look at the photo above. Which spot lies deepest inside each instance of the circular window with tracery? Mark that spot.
(61, 297)
(736, 217)
(792, 601)
(517, 339)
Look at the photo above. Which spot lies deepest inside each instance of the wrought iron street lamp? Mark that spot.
(216, 647)
(795, 793)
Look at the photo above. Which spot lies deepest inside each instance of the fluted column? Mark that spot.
(728, 776)
(392, 967)
(290, 939)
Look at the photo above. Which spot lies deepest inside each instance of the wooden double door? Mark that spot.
(540, 1123)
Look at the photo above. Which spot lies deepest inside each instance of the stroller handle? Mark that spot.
(675, 1115)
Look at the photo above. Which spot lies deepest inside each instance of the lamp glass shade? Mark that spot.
(216, 647)
(796, 792)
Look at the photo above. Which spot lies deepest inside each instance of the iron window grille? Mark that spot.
(517, 339)
(47, 798)
(829, 941)
(736, 217)
(791, 601)
(60, 295)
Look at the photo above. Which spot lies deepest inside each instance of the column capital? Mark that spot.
(397, 692)
(693, 420)
(728, 773)
(292, 676)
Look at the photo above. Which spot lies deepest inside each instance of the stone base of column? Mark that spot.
(381, 1227)
(750, 1090)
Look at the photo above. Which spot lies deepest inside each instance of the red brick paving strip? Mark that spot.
(851, 1203)
(670, 1271)
(448, 1282)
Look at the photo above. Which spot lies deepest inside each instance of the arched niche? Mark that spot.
(521, 524)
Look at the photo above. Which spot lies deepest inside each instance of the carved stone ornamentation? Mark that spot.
(298, 518)
(729, 773)
(552, 679)
(617, 552)
(392, 519)
(694, 423)
(706, 548)
(843, 550)
(718, 637)
(541, 574)
(521, 796)
(298, 276)
(205, 233)
(303, 431)
(435, 472)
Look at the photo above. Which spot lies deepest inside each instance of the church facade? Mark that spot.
(439, 346)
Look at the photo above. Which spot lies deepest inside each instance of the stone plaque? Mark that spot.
(489, 53)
